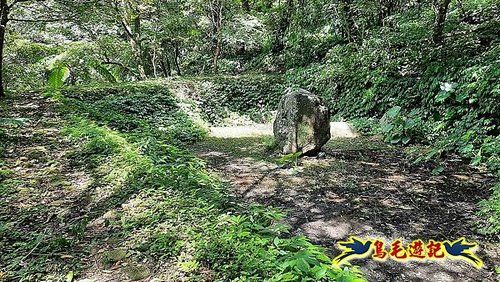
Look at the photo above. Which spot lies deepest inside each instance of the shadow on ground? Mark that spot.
(368, 189)
(50, 208)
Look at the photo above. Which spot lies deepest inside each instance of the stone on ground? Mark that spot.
(302, 123)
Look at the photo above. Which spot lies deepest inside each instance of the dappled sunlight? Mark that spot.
(333, 229)
(242, 131)
(245, 140)
(364, 193)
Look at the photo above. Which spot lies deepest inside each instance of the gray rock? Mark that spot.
(302, 123)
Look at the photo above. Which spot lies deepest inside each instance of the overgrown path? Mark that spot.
(365, 188)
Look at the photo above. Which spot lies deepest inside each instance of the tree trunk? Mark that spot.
(4, 19)
(442, 10)
(283, 24)
(167, 71)
(165, 60)
(246, 5)
(177, 55)
(349, 31)
(216, 19)
(216, 55)
(134, 39)
(153, 62)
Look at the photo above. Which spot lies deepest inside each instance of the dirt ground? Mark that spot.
(365, 188)
(360, 187)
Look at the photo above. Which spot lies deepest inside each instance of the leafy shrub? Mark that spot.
(441, 96)
(132, 107)
(25, 66)
(249, 248)
(32, 65)
(58, 75)
(398, 128)
(446, 97)
(491, 211)
(367, 126)
(251, 95)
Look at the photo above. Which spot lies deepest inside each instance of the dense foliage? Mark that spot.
(158, 201)
(254, 96)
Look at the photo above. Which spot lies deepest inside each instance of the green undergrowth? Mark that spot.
(397, 83)
(162, 203)
(253, 96)
(491, 211)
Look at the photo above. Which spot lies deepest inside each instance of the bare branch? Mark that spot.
(39, 20)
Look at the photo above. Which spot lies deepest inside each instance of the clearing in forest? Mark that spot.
(104, 194)
(365, 188)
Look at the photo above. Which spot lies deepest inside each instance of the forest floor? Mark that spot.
(364, 188)
(361, 187)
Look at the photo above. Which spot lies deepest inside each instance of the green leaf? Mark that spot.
(393, 112)
(276, 241)
(320, 272)
(70, 276)
(442, 96)
(302, 265)
(410, 123)
(477, 159)
(468, 148)
(462, 96)
(105, 73)
(58, 76)
(387, 127)
(437, 170)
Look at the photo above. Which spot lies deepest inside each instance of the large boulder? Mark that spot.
(302, 123)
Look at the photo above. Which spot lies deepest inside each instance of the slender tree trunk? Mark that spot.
(167, 72)
(246, 5)
(153, 62)
(348, 25)
(283, 25)
(177, 55)
(4, 19)
(216, 55)
(165, 60)
(135, 43)
(138, 57)
(442, 10)
(216, 18)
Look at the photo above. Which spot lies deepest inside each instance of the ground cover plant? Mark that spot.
(149, 201)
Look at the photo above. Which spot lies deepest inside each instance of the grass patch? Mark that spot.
(258, 148)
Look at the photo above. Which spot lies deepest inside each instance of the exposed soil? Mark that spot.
(360, 187)
(52, 217)
(364, 188)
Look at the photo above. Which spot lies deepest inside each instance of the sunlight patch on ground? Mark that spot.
(337, 130)
(366, 188)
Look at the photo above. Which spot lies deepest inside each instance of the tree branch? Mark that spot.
(21, 1)
(39, 20)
